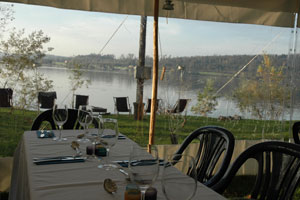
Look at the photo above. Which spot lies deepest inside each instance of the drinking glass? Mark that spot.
(85, 118)
(94, 137)
(143, 167)
(109, 132)
(60, 116)
(179, 177)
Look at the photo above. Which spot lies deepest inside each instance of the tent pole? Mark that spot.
(154, 74)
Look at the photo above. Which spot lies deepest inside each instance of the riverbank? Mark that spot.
(14, 122)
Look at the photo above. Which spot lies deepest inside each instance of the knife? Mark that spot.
(58, 160)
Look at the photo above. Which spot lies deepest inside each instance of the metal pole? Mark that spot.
(155, 74)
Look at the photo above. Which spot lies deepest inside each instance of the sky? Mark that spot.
(80, 33)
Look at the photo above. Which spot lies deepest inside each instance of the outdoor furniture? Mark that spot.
(213, 142)
(81, 100)
(46, 99)
(296, 129)
(6, 97)
(80, 180)
(46, 117)
(148, 108)
(180, 106)
(122, 104)
(277, 170)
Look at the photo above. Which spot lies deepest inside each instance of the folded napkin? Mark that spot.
(58, 160)
(45, 134)
(120, 137)
(124, 163)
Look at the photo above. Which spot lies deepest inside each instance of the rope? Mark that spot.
(244, 67)
(113, 35)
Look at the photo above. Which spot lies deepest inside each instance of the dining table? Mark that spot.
(78, 180)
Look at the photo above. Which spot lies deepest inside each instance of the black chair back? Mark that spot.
(6, 97)
(296, 129)
(46, 99)
(213, 142)
(46, 116)
(278, 173)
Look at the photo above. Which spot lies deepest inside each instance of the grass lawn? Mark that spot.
(14, 122)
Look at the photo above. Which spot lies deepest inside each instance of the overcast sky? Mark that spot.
(80, 32)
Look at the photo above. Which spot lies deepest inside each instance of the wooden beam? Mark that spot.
(155, 74)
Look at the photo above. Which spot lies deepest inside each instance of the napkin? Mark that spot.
(139, 163)
(58, 160)
(45, 134)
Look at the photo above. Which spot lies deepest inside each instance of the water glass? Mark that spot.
(143, 167)
(85, 118)
(109, 132)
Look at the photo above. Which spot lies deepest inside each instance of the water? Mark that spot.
(106, 85)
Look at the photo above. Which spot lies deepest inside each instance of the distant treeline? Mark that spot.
(228, 64)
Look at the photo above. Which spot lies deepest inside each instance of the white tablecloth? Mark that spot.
(72, 180)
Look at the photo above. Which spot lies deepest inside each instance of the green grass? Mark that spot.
(14, 122)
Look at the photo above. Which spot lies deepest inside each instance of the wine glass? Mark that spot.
(179, 177)
(109, 132)
(85, 118)
(143, 167)
(60, 116)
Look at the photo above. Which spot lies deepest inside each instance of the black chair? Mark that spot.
(6, 97)
(122, 104)
(213, 142)
(46, 99)
(180, 106)
(81, 100)
(296, 129)
(148, 108)
(278, 173)
(46, 116)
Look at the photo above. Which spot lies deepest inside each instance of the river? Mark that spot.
(106, 85)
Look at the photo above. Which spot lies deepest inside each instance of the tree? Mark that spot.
(21, 56)
(206, 100)
(264, 95)
(75, 78)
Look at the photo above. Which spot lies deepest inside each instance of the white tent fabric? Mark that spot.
(264, 12)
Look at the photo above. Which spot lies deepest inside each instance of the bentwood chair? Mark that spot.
(179, 106)
(46, 117)
(6, 97)
(277, 172)
(213, 142)
(296, 129)
(122, 104)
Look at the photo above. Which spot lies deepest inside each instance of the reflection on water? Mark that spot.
(106, 85)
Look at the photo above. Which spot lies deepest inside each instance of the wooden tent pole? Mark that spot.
(154, 74)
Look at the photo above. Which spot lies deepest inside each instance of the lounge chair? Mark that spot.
(81, 100)
(122, 104)
(148, 108)
(46, 99)
(180, 106)
(6, 97)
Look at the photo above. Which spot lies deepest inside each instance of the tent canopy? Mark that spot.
(264, 12)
